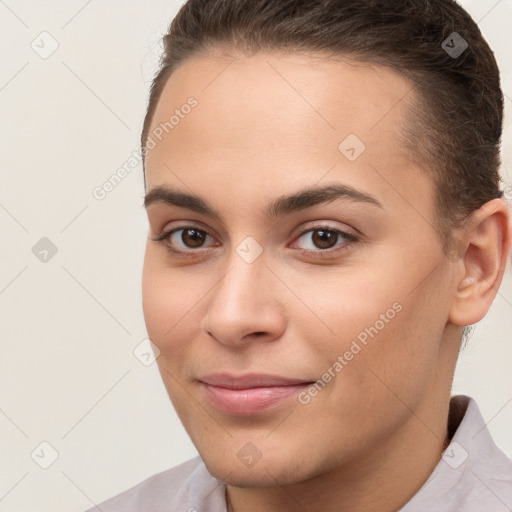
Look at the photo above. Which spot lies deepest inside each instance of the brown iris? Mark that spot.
(324, 239)
(195, 236)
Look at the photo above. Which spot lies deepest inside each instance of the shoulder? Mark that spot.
(177, 488)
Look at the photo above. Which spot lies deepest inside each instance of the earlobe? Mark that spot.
(487, 239)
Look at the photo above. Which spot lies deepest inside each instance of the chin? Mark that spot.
(264, 473)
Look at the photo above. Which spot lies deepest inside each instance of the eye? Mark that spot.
(324, 239)
(190, 238)
(184, 240)
(319, 241)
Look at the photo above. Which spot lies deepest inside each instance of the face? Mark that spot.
(306, 273)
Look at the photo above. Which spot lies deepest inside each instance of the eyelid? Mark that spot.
(184, 224)
(350, 240)
(326, 226)
(166, 234)
(318, 253)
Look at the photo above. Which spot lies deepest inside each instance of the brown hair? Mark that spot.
(455, 123)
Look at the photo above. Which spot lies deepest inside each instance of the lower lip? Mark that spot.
(252, 400)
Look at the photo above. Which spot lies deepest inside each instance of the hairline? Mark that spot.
(415, 107)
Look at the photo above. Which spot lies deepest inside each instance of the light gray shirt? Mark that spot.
(473, 475)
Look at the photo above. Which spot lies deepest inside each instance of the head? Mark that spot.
(325, 206)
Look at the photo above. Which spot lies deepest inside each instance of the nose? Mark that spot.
(244, 305)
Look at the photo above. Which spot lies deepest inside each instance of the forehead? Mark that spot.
(264, 120)
(297, 97)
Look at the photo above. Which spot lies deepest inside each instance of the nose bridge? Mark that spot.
(246, 268)
(240, 288)
(241, 303)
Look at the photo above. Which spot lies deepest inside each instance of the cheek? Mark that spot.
(344, 304)
(167, 303)
(168, 299)
(387, 333)
(400, 360)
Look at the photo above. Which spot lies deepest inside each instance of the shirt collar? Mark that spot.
(472, 468)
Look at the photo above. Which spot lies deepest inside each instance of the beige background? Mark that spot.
(68, 375)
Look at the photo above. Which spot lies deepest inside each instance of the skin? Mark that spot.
(266, 126)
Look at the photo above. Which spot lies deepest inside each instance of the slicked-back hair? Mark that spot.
(455, 123)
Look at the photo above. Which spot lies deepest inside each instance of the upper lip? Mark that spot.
(249, 380)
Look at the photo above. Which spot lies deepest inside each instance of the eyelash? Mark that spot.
(350, 240)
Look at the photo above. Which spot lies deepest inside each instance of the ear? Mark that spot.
(483, 248)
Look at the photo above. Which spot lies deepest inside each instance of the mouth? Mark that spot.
(251, 393)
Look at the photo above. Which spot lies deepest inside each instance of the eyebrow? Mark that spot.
(284, 205)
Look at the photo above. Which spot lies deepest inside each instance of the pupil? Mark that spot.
(195, 235)
(323, 239)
